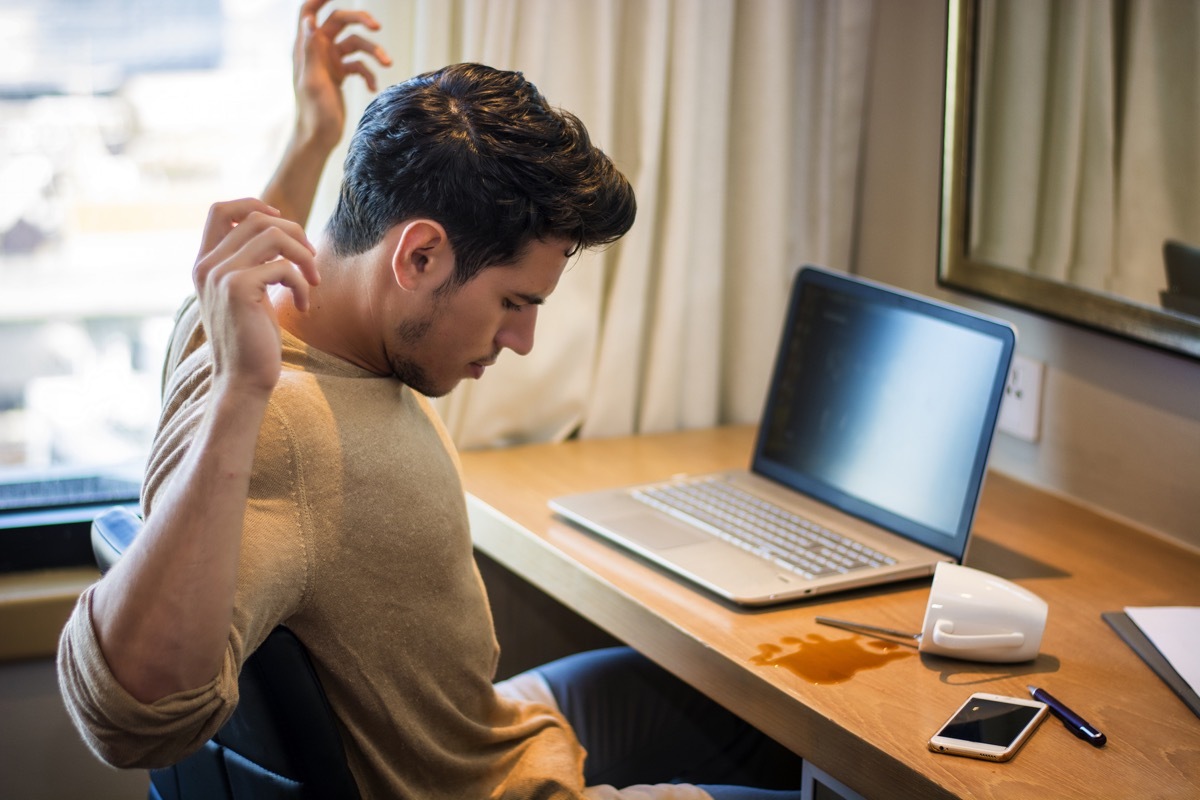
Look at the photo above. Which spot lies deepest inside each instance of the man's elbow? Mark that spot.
(123, 730)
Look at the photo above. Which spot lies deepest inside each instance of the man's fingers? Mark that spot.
(309, 8)
(359, 68)
(339, 20)
(242, 285)
(273, 243)
(250, 240)
(280, 272)
(289, 275)
(357, 44)
(238, 222)
(223, 217)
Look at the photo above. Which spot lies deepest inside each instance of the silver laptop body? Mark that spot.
(869, 458)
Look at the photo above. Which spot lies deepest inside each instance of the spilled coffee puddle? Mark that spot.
(821, 660)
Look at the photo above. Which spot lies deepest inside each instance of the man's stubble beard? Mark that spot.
(409, 372)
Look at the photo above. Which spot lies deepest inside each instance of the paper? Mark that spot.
(1175, 631)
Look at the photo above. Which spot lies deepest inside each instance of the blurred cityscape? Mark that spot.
(121, 121)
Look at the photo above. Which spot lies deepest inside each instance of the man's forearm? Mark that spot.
(163, 613)
(294, 185)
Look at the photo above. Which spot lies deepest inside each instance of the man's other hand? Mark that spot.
(248, 247)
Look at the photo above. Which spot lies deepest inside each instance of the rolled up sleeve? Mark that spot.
(121, 730)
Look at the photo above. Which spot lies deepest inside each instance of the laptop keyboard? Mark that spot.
(60, 492)
(740, 518)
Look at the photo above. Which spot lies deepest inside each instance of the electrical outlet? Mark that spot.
(1021, 408)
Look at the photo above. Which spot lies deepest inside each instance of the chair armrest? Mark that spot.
(112, 533)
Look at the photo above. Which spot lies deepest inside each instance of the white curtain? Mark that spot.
(1159, 172)
(739, 124)
(1087, 154)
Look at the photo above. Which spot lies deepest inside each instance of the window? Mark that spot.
(121, 121)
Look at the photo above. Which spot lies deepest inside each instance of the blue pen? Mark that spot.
(1075, 723)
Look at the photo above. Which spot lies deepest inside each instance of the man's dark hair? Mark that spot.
(480, 151)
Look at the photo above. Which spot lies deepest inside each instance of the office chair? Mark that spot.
(281, 743)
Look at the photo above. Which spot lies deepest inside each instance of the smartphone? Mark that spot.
(989, 726)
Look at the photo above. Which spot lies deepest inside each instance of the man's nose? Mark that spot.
(517, 331)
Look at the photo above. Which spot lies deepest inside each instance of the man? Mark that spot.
(299, 475)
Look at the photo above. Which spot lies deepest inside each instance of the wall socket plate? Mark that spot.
(1021, 407)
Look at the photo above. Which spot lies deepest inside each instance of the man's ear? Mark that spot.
(422, 257)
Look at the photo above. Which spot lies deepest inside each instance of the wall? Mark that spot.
(41, 755)
(1120, 422)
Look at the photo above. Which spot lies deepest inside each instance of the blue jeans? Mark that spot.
(640, 724)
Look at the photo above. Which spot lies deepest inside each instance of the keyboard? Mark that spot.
(84, 490)
(760, 527)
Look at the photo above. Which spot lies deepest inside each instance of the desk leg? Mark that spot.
(820, 785)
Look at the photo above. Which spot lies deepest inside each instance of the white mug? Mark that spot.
(977, 616)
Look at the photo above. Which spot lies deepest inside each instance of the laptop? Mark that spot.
(46, 514)
(869, 458)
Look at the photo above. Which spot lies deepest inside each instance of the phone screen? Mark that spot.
(989, 722)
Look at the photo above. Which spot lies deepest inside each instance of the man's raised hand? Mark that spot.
(322, 59)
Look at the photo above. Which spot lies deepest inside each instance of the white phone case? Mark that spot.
(989, 726)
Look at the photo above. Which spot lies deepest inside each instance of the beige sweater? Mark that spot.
(356, 537)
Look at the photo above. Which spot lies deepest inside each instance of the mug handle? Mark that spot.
(944, 636)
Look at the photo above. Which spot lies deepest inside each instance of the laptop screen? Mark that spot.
(883, 404)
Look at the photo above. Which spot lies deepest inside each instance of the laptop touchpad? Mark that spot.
(659, 532)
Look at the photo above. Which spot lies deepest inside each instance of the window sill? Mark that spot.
(35, 605)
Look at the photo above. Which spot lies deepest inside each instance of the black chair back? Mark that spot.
(281, 743)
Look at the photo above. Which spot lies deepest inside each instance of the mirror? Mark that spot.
(1071, 156)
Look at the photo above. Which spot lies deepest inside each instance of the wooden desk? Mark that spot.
(870, 731)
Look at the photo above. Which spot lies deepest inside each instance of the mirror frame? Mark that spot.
(957, 270)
